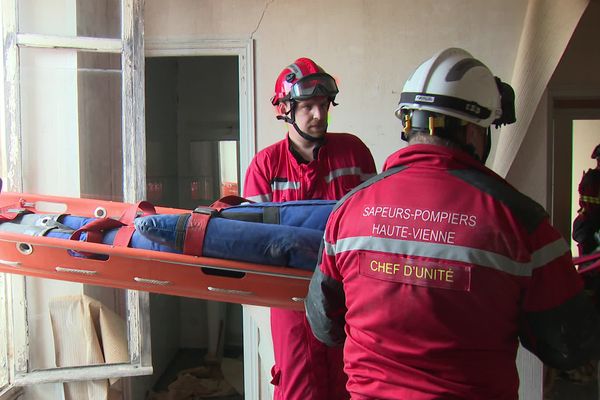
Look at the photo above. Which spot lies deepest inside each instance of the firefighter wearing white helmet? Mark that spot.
(434, 270)
(455, 96)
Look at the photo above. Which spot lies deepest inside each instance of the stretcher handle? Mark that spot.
(595, 257)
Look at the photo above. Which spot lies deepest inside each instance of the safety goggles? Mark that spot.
(320, 84)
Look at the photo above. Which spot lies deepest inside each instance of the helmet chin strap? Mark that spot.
(292, 121)
(488, 145)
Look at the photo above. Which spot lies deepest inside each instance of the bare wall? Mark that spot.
(576, 76)
(369, 46)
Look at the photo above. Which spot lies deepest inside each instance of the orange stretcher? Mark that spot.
(140, 269)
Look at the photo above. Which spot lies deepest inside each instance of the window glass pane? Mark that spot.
(72, 324)
(97, 18)
(229, 167)
(71, 123)
(192, 129)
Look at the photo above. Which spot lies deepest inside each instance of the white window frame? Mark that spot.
(131, 48)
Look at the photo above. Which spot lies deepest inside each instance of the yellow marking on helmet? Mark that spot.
(431, 125)
(407, 124)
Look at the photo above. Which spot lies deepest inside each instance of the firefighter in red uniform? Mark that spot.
(310, 163)
(586, 226)
(433, 270)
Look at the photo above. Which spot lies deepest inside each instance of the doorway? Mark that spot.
(192, 159)
(576, 132)
(586, 136)
(566, 159)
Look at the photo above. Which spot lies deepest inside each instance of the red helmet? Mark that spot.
(302, 80)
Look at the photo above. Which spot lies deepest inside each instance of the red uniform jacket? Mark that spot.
(276, 174)
(587, 222)
(432, 270)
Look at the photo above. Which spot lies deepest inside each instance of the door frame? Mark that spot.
(244, 50)
(563, 110)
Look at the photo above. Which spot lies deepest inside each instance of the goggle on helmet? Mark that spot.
(302, 80)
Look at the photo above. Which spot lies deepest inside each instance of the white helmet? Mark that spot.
(455, 84)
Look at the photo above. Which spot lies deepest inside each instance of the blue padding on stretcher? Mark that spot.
(252, 242)
(138, 241)
(160, 228)
(75, 222)
(301, 213)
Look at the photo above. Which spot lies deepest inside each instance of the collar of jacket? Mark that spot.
(298, 157)
(435, 156)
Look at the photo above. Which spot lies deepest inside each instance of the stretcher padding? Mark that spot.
(254, 242)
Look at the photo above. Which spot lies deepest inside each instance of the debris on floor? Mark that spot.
(204, 382)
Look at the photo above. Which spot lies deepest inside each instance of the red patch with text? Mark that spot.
(396, 268)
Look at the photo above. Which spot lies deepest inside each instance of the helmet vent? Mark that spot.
(295, 70)
(460, 69)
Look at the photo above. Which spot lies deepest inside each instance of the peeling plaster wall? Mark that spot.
(369, 46)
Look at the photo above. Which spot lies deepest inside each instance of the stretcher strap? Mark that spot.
(228, 201)
(95, 229)
(9, 212)
(271, 215)
(123, 236)
(198, 222)
(195, 232)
